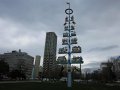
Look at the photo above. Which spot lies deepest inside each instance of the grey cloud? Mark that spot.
(33, 13)
(98, 14)
(29, 10)
(91, 66)
(97, 25)
(111, 47)
(89, 14)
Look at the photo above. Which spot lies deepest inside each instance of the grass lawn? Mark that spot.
(54, 86)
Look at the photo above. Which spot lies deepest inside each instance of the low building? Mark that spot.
(19, 60)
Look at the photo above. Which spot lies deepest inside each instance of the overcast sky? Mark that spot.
(24, 23)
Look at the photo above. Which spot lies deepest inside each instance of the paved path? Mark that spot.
(18, 81)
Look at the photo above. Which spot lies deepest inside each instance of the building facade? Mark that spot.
(49, 62)
(37, 67)
(116, 66)
(18, 60)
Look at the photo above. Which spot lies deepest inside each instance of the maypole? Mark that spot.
(69, 39)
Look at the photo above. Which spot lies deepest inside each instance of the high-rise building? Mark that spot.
(37, 67)
(18, 60)
(49, 62)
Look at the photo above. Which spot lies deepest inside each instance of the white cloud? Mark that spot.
(15, 35)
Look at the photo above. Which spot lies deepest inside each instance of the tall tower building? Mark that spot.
(37, 67)
(49, 62)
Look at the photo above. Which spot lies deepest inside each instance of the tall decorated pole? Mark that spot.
(69, 12)
(69, 39)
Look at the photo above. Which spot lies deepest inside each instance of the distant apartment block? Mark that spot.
(18, 59)
(37, 67)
